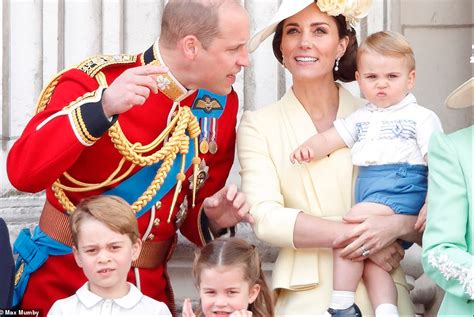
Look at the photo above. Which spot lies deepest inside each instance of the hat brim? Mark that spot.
(462, 96)
(286, 10)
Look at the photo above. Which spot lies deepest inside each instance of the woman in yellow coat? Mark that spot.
(298, 208)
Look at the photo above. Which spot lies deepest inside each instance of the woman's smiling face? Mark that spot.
(310, 43)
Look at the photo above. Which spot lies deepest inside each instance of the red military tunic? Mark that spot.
(70, 135)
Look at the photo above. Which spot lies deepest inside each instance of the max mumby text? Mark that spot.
(20, 312)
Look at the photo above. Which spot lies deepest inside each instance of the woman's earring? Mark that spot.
(283, 61)
(336, 67)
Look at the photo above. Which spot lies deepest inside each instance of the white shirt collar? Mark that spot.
(89, 299)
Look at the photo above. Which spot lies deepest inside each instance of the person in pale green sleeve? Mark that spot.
(448, 239)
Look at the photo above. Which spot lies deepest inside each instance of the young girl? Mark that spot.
(230, 280)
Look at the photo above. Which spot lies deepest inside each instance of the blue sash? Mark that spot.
(32, 252)
(133, 187)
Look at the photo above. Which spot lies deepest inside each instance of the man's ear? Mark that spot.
(190, 46)
(77, 257)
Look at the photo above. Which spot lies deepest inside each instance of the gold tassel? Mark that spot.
(196, 161)
(180, 178)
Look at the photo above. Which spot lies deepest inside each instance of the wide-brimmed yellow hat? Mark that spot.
(287, 9)
(462, 96)
(353, 10)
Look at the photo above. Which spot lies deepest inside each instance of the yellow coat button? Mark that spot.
(150, 237)
(156, 222)
(158, 205)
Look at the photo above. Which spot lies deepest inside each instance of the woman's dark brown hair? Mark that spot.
(347, 63)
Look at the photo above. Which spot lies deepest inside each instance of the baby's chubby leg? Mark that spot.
(346, 277)
(347, 273)
(381, 289)
(379, 283)
(367, 209)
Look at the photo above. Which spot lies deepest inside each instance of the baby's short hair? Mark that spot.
(388, 43)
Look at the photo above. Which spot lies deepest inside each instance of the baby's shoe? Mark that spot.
(351, 311)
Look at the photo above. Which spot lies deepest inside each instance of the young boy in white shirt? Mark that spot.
(106, 241)
(389, 141)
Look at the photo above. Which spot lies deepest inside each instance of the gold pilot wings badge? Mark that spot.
(208, 104)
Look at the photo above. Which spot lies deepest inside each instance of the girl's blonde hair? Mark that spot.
(236, 252)
(112, 211)
(388, 43)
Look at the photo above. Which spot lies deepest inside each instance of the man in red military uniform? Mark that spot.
(134, 126)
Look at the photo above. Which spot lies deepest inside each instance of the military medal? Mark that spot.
(213, 147)
(213, 143)
(203, 138)
(203, 146)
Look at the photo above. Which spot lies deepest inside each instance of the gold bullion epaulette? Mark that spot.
(93, 65)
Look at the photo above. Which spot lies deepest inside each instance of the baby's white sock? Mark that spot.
(386, 310)
(342, 299)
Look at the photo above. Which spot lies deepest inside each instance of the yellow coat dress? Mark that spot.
(278, 190)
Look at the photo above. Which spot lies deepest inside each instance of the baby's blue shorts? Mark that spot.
(402, 187)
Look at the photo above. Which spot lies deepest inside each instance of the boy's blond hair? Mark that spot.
(388, 43)
(112, 211)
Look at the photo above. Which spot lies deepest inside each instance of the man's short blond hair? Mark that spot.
(112, 211)
(388, 43)
(196, 17)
